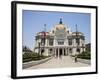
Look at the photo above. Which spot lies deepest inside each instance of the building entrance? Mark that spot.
(60, 52)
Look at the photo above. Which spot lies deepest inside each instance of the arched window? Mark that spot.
(53, 31)
(70, 50)
(42, 51)
(50, 50)
(78, 50)
(78, 41)
(70, 41)
(68, 32)
(51, 42)
(42, 41)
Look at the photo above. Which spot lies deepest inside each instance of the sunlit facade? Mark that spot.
(59, 41)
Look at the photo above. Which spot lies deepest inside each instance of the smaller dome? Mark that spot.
(43, 33)
(78, 33)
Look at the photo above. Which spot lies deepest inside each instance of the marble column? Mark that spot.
(63, 51)
(45, 42)
(58, 52)
(74, 42)
(54, 52)
(67, 51)
(80, 41)
(54, 42)
(66, 42)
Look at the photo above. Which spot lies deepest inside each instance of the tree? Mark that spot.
(88, 47)
(26, 49)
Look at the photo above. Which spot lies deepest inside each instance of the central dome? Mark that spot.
(60, 26)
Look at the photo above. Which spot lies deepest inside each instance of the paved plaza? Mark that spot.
(63, 62)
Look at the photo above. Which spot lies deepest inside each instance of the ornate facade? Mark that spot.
(59, 41)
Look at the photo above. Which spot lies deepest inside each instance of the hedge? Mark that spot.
(32, 57)
(84, 55)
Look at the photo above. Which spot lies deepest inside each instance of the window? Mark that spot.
(78, 50)
(68, 32)
(70, 50)
(42, 51)
(42, 41)
(60, 43)
(51, 42)
(77, 41)
(50, 50)
(70, 41)
(53, 31)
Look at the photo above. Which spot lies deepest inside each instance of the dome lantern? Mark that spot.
(60, 21)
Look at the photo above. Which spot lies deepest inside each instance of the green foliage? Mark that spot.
(88, 47)
(32, 57)
(84, 55)
(27, 55)
(26, 49)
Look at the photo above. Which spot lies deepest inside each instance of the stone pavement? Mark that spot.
(65, 61)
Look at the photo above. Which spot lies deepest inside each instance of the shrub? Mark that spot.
(32, 56)
(27, 55)
(84, 55)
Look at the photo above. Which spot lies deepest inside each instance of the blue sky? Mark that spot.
(33, 22)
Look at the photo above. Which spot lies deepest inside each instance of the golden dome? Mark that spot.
(60, 26)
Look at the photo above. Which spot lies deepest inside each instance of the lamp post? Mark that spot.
(39, 43)
(76, 38)
(44, 37)
(76, 44)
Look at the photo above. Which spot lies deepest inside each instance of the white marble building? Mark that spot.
(59, 41)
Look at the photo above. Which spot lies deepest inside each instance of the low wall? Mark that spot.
(32, 63)
(83, 60)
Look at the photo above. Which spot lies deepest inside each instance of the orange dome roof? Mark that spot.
(60, 26)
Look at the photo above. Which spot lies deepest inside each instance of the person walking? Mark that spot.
(75, 58)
